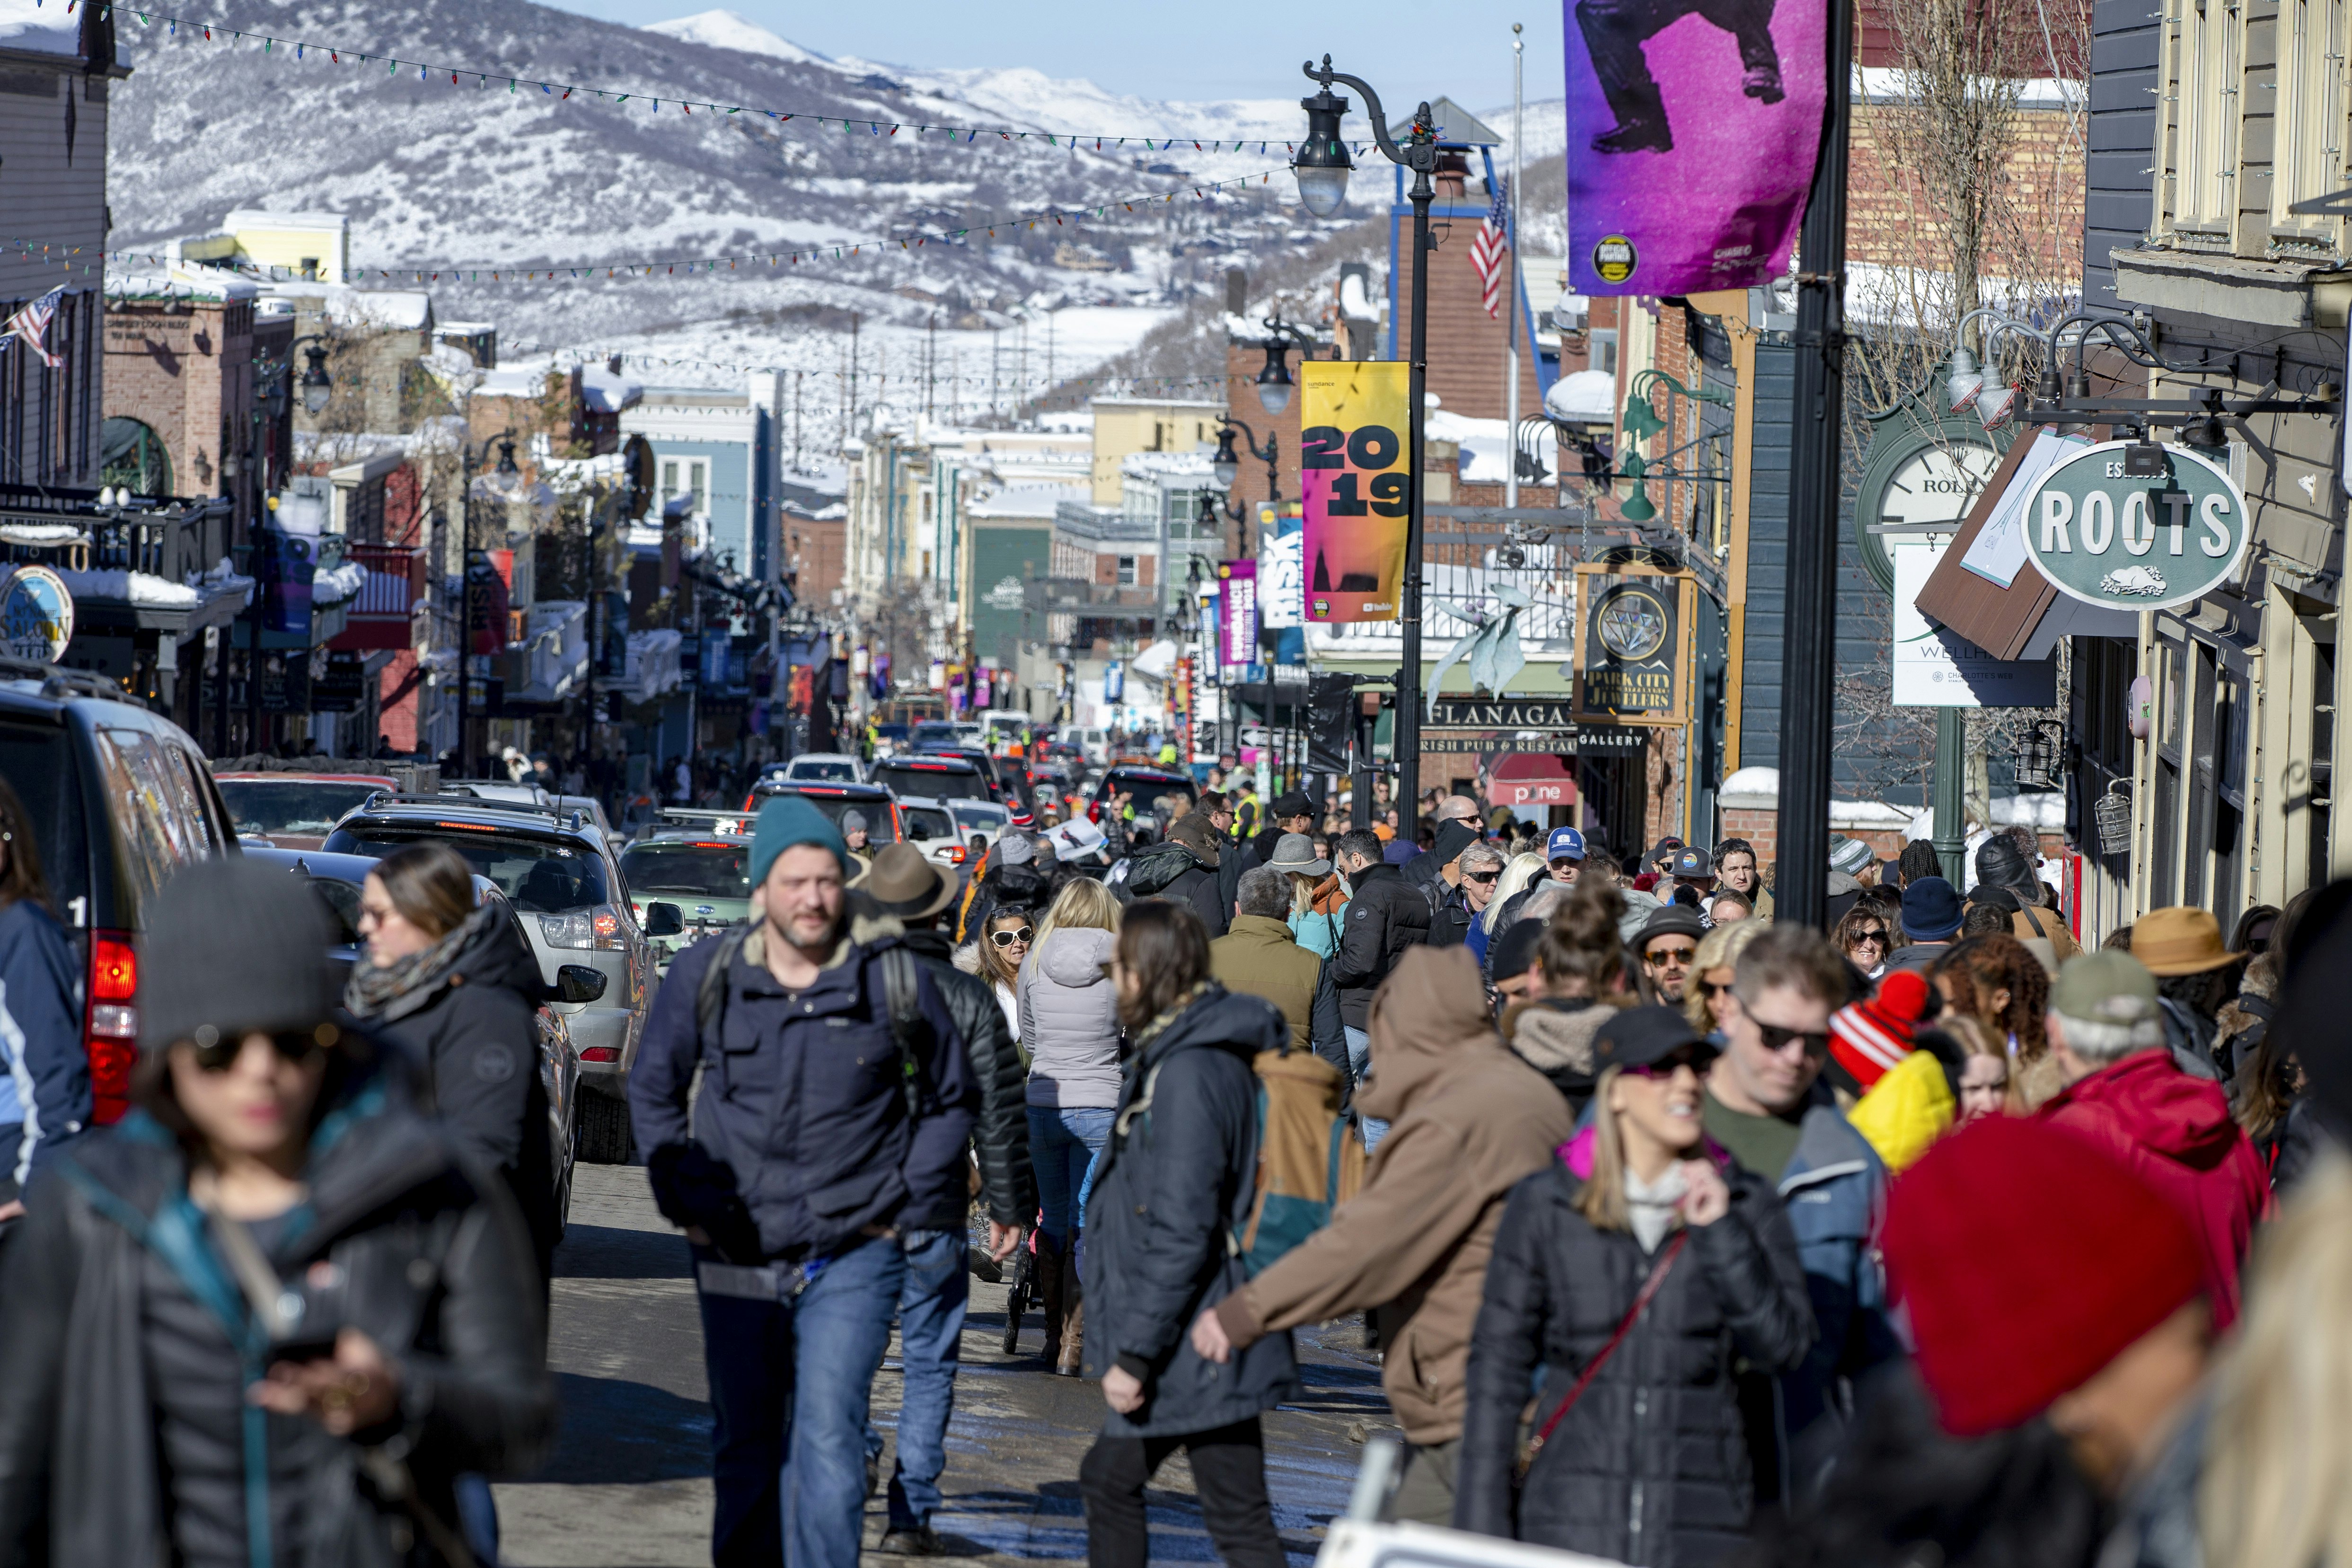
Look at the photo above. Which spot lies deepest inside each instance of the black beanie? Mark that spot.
(233, 946)
(1514, 950)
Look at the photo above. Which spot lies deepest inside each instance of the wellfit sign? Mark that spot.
(2105, 537)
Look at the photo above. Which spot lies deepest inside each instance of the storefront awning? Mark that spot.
(1986, 589)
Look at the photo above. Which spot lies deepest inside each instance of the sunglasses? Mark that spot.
(1695, 1058)
(1879, 937)
(1776, 1038)
(217, 1054)
(1482, 876)
(1007, 938)
(1672, 954)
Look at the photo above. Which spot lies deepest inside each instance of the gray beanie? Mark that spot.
(853, 822)
(233, 946)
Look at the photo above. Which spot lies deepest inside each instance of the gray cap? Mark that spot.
(233, 946)
(1014, 849)
(1296, 852)
(853, 822)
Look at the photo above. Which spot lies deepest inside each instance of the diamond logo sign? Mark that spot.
(2106, 537)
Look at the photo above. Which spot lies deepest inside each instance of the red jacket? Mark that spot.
(2175, 1130)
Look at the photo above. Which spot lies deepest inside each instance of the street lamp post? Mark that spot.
(505, 442)
(1225, 468)
(1322, 166)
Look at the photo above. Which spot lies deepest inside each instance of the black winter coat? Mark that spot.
(1449, 925)
(1171, 870)
(1172, 1186)
(122, 1421)
(474, 1030)
(1385, 915)
(1650, 1467)
(1000, 1132)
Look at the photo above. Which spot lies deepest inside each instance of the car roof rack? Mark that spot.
(710, 821)
(446, 798)
(58, 681)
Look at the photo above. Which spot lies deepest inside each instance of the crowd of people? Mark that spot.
(1683, 1235)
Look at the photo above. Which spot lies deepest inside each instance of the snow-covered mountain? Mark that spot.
(491, 174)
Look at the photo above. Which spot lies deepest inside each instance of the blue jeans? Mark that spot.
(931, 1343)
(790, 1386)
(1062, 1145)
(477, 1517)
(1360, 1055)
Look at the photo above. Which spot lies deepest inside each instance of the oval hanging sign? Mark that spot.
(2133, 543)
(37, 613)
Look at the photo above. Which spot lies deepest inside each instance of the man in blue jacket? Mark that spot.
(829, 1137)
(1764, 1103)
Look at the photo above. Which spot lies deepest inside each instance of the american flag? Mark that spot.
(32, 324)
(1486, 251)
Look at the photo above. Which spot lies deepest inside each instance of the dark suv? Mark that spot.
(121, 798)
(558, 872)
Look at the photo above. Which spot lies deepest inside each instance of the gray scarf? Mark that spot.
(401, 987)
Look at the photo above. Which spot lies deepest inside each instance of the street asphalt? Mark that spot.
(629, 1484)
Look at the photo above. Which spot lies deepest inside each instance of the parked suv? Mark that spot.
(559, 874)
(870, 801)
(295, 811)
(935, 777)
(1153, 787)
(120, 799)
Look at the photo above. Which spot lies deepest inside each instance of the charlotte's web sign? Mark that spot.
(2105, 538)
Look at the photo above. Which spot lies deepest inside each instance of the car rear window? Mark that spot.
(925, 824)
(306, 808)
(706, 869)
(534, 875)
(39, 763)
(932, 779)
(1151, 793)
(837, 773)
(984, 815)
(876, 814)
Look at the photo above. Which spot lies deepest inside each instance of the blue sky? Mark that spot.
(1207, 49)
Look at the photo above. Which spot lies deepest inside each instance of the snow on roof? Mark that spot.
(1583, 397)
(393, 307)
(38, 28)
(607, 392)
(1037, 501)
(262, 218)
(176, 282)
(1164, 465)
(525, 379)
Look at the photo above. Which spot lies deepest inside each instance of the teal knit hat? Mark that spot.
(787, 820)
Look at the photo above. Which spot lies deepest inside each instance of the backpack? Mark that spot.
(1310, 1157)
(897, 989)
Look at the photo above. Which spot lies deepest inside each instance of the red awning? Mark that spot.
(1532, 778)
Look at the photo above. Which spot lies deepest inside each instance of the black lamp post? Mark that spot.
(505, 442)
(1322, 166)
(1226, 466)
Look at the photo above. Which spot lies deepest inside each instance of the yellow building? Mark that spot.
(314, 246)
(1126, 426)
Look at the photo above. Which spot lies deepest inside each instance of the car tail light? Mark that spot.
(601, 1054)
(957, 855)
(110, 1027)
(583, 930)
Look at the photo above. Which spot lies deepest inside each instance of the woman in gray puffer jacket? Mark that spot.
(1069, 1025)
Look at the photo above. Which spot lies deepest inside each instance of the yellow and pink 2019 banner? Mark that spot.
(1357, 477)
(1693, 128)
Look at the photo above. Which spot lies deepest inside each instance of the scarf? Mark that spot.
(1650, 1208)
(1158, 1026)
(399, 988)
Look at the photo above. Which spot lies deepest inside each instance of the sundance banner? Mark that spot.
(1632, 647)
(1692, 130)
(1357, 477)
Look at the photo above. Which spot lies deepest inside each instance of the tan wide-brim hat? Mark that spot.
(2180, 941)
(902, 881)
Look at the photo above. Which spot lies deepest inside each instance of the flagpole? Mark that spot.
(1511, 333)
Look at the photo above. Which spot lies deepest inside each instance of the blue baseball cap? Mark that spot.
(1567, 844)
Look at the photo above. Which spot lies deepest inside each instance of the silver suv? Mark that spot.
(560, 877)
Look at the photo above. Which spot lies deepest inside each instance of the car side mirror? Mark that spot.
(578, 983)
(664, 920)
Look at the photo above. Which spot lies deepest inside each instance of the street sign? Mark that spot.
(2126, 543)
(37, 613)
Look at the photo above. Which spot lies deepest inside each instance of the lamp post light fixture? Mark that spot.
(1322, 167)
(318, 386)
(1225, 468)
(1643, 422)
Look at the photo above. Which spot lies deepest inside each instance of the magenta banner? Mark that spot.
(1692, 130)
(1237, 614)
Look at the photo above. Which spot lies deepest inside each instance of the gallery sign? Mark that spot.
(2135, 542)
(1633, 646)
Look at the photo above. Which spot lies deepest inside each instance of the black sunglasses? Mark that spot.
(1007, 938)
(216, 1054)
(1698, 1058)
(1776, 1038)
(1874, 935)
(1482, 876)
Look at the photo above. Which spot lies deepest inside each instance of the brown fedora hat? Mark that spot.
(902, 882)
(2181, 939)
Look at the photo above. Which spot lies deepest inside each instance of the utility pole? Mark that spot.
(931, 366)
(1511, 301)
(797, 376)
(853, 323)
(1809, 651)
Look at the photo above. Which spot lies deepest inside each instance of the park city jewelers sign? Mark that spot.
(2105, 538)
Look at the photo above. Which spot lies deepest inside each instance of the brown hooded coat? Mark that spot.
(1468, 1120)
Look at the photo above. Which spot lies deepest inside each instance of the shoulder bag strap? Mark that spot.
(906, 1018)
(1592, 1368)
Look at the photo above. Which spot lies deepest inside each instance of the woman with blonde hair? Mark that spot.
(1711, 966)
(1068, 1018)
(1522, 872)
(1317, 903)
(1634, 1272)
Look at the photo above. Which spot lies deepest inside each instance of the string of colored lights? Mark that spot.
(965, 134)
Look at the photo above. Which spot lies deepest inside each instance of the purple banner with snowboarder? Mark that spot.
(1692, 126)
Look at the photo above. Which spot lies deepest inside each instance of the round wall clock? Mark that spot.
(1919, 470)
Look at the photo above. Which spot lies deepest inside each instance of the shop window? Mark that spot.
(132, 454)
(2204, 53)
(1126, 571)
(2309, 139)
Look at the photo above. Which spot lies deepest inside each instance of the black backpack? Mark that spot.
(906, 1009)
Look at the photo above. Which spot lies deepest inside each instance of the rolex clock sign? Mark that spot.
(2135, 542)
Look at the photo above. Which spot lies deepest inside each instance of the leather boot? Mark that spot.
(1071, 1361)
(1047, 1271)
